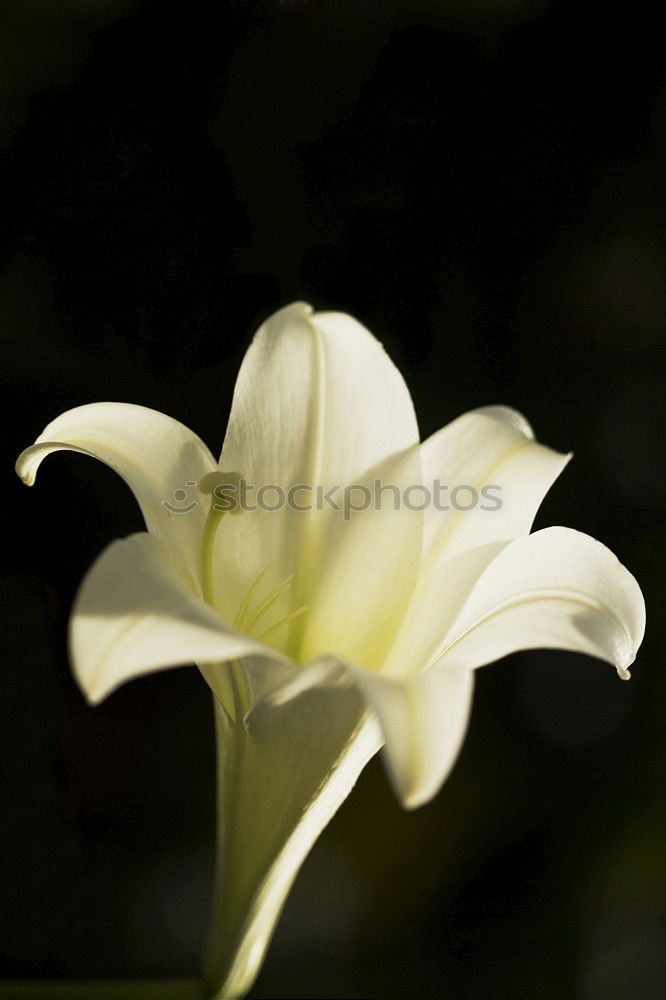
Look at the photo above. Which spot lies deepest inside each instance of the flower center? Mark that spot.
(222, 487)
(267, 603)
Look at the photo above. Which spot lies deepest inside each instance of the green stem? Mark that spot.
(231, 752)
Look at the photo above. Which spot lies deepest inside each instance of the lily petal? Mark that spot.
(317, 400)
(280, 780)
(134, 614)
(422, 717)
(155, 455)
(558, 589)
(367, 567)
(423, 720)
(317, 403)
(437, 600)
(492, 447)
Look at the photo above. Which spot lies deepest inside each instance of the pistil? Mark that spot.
(219, 506)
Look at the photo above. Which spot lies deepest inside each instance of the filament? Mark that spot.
(242, 611)
(284, 621)
(269, 601)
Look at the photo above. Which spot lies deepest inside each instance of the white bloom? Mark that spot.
(323, 638)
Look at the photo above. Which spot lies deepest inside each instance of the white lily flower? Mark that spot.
(324, 638)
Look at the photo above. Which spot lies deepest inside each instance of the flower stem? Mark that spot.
(232, 747)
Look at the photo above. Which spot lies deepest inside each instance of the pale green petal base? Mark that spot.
(281, 777)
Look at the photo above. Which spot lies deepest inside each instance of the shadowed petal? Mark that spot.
(422, 717)
(423, 720)
(278, 787)
(134, 614)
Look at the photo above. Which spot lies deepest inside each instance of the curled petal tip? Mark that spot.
(413, 802)
(24, 470)
(623, 671)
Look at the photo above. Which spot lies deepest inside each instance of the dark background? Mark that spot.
(480, 182)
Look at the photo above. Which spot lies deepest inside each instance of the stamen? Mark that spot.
(220, 504)
(284, 621)
(207, 546)
(242, 611)
(269, 601)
